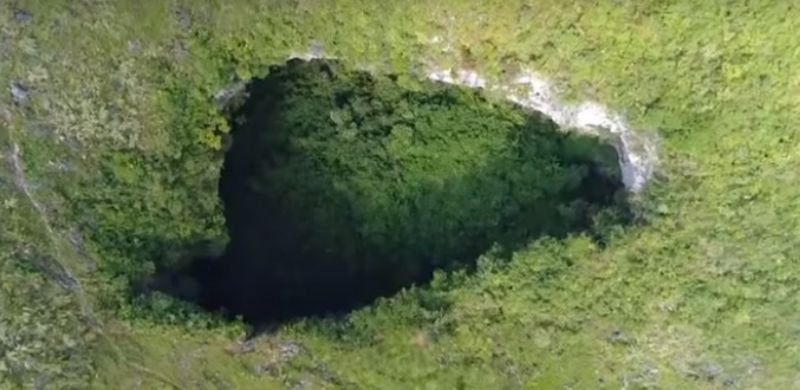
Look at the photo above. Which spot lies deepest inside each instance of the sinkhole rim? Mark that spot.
(213, 265)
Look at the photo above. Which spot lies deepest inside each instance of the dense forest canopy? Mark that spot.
(341, 186)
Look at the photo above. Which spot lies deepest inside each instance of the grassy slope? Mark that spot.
(120, 125)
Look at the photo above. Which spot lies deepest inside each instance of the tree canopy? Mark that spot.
(341, 186)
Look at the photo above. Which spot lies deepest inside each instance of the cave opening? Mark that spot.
(340, 187)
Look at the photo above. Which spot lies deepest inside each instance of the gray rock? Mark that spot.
(23, 16)
(730, 382)
(19, 93)
(183, 17)
(134, 46)
(617, 336)
(289, 350)
(230, 96)
(706, 370)
(645, 376)
(286, 351)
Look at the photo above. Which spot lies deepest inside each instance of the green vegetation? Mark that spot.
(111, 163)
(341, 186)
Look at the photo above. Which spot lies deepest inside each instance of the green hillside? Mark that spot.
(473, 244)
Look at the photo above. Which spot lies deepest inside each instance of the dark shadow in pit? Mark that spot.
(307, 242)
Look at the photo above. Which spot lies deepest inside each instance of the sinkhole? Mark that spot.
(340, 187)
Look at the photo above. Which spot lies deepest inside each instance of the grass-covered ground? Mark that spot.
(112, 141)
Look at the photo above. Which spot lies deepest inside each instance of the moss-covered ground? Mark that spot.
(112, 144)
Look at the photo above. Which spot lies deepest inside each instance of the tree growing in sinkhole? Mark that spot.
(341, 186)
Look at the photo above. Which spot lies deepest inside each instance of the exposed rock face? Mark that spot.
(19, 93)
(637, 150)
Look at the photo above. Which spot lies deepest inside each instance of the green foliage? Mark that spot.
(120, 136)
(163, 309)
(348, 183)
(42, 334)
